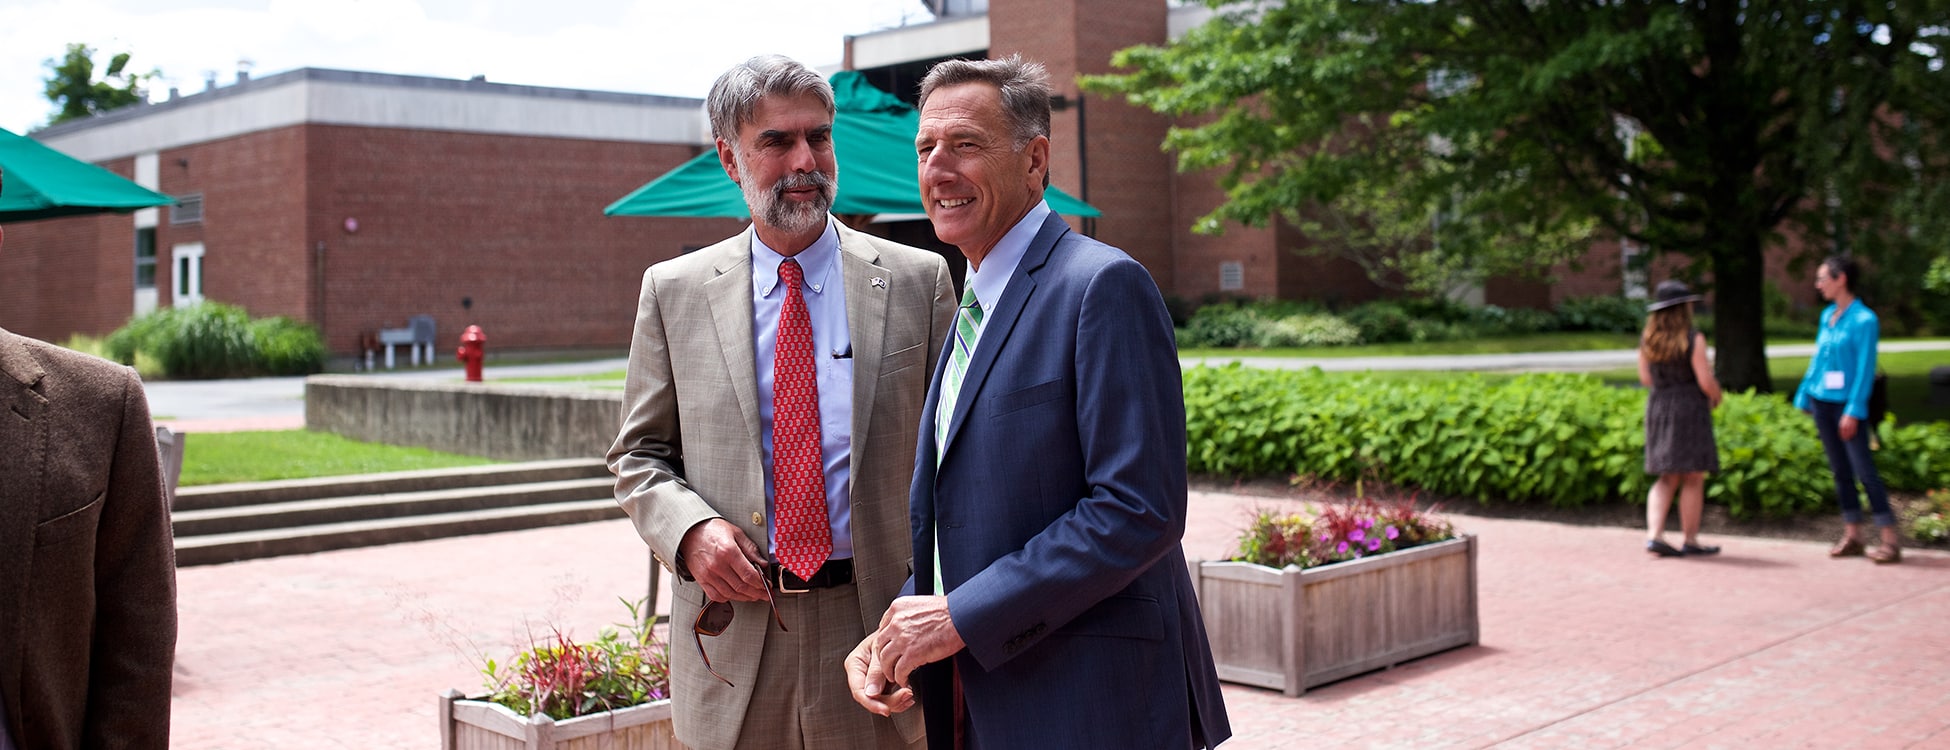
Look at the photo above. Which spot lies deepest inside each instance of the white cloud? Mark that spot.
(674, 47)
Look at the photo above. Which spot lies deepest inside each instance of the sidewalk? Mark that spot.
(1585, 643)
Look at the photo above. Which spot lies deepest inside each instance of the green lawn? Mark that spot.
(222, 457)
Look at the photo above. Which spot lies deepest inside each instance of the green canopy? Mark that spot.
(873, 138)
(42, 183)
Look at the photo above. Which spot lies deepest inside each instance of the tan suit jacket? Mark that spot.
(690, 450)
(87, 564)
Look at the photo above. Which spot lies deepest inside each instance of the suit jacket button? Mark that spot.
(758, 519)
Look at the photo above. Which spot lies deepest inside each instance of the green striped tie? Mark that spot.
(968, 327)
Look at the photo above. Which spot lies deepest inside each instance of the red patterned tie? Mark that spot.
(798, 475)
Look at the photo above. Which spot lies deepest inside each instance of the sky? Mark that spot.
(671, 47)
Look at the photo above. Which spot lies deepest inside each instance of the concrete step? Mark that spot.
(290, 490)
(330, 510)
(210, 549)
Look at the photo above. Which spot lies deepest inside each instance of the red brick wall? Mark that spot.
(513, 223)
(1115, 145)
(252, 230)
(60, 277)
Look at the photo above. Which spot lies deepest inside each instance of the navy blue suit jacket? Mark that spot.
(1060, 502)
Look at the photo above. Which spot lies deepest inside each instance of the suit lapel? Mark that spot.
(999, 323)
(866, 322)
(23, 453)
(730, 296)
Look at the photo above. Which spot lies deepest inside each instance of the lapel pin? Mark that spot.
(879, 283)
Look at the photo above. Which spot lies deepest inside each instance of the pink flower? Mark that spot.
(1393, 532)
(1374, 544)
(1356, 535)
(1343, 548)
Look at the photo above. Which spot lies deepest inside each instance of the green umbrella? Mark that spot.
(873, 134)
(42, 183)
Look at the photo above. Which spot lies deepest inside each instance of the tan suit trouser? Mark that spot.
(801, 701)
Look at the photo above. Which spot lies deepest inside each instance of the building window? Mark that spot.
(145, 258)
(1232, 276)
(188, 210)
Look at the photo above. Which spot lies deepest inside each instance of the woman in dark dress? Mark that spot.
(1679, 445)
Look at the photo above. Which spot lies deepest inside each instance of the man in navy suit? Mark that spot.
(1050, 605)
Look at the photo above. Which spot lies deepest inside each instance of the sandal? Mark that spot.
(1661, 548)
(1846, 548)
(1699, 549)
(1887, 554)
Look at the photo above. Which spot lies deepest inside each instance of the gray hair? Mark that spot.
(1024, 86)
(734, 97)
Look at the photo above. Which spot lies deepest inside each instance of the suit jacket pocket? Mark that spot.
(911, 357)
(77, 521)
(1023, 398)
(1121, 616)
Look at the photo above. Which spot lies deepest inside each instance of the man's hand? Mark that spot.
(870, 684)
(1847, 428)
(724, 562)
(916, 630)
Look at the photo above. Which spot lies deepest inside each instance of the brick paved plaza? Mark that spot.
(1585, 643)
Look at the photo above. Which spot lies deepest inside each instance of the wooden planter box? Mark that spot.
(479, 725)
(1293, 629)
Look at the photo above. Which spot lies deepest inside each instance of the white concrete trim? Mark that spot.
(921, 42)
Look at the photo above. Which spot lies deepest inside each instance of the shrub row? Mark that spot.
(215, 340)
(1563, 439)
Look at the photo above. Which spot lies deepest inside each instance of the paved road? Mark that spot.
(1586, 643)
(278, 403)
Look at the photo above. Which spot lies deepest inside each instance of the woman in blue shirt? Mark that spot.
(1836, 391)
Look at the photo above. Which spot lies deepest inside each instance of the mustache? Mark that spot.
(800, 181)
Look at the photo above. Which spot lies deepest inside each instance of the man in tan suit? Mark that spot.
(87, 565)
(770, 417)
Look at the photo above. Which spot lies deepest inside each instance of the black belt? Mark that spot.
(833, 573)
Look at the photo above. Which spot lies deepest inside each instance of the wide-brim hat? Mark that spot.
(1669, 293)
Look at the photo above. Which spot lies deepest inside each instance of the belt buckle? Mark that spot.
(779, 579)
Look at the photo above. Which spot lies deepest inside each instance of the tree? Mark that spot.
(71, 84)
(1707, 129)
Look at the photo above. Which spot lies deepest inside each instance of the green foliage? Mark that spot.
(287, 347)
(1932, 524)
(1510, 130)
(1337, 533)
(563, 679)
(258, 456)
(215, 340)
(1567, 440)
(1613, 313)
(1305, 330)
(71, 84)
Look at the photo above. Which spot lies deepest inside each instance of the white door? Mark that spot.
(186, 266)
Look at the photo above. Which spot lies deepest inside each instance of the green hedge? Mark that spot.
(1564, 439)
(215, 340)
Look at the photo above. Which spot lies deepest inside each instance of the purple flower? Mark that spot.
(1356, 535)
(1367, 523)
(1343, 548)
(1357, 554)
(1393, 532)
(1323, 536)
(1374, 544)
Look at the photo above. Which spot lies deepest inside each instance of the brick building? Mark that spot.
(355, 200)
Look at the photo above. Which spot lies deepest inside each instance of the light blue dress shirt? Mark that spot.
(989, 283)
(825, 291)
(1844, 366)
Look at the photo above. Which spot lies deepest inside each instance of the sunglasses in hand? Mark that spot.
(716, 616)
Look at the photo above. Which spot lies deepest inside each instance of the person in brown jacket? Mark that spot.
(87, 562)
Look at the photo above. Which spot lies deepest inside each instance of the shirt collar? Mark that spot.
(1000, 264)
(816, 262)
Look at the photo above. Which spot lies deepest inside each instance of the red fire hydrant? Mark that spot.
(473, 349)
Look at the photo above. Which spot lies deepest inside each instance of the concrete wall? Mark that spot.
(508, 422)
